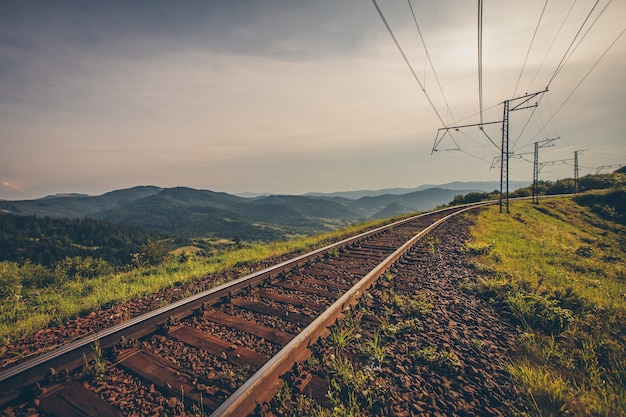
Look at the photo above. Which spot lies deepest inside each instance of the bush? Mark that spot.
(610, 205)
(548, 390)
(10, 280)
(477, 249)
(474, 197)
(36, 275)
(539, 313)
(152, 253)
(598, 182)
(79, 267)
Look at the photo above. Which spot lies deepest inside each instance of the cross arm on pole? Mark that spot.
(600, 168)
(547, 142)
(444, 131)
(525, 99)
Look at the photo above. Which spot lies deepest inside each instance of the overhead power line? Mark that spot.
(529, 47)
(585, 77)
(560, 66)
(430, 61)
(480, 58)
(569, 54)
(525, 126)
(407, 61)
(587, 31)
(551, 45)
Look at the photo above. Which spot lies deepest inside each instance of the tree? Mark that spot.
(36, 275)
(81, 268)
(10, 281)
(152, 253)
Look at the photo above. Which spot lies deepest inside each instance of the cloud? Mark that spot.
(224, 95)
(10, 190)
(9, 187)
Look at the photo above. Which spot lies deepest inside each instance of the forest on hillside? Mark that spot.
(611, 205)
(87, 247)
(47, 241)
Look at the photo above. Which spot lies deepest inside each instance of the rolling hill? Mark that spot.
(187, 212)
(460, 186)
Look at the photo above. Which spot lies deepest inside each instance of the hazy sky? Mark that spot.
(290, 97)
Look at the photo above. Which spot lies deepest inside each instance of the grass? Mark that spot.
(417, 304)
(352, 362)
(560, 270)
(96, 367)
(375, 349)
(546, 387)
(24, 310)
(446, 360)
(341, 337)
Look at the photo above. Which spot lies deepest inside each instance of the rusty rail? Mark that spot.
(266, 381)
(16, 379)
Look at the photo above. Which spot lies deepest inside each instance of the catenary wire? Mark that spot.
(560, 66)
(568, 55)
(480, 59)
(476, 114)
(407, 62)
(587, 31)
(588, 72)
(532, 41)
(430, 61)
(551, 45)
(585, 77)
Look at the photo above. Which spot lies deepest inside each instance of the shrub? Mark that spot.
(585, 251)
(445, 360)
(547, 390)
(79, 267)
(538, 312)
(36, 276)
(494, 289)
(10, 281)
(477, 249)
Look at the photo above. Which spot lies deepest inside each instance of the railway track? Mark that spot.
(220, 352)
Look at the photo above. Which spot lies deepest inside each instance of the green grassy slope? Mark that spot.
(560, 269)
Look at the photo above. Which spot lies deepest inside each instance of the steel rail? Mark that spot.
(266, 381)
(74, 354)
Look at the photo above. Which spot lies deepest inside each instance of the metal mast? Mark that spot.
(504, 158)
(536, 175)
(537, 168)
(576, 172)
(505, 154)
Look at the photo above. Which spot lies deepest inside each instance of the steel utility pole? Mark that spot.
(576, 172)
(536, 175)
(504, 149)
(544, 144)
(505, 154)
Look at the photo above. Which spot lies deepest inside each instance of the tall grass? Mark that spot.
(560, 269)
(25, 311)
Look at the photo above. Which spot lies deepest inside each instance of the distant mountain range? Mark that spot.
(467, 186)
(188, 212)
